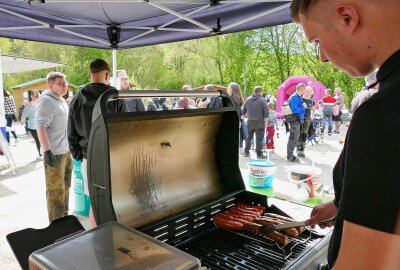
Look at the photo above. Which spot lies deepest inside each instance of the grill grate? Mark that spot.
(225, 250)
(195, 233)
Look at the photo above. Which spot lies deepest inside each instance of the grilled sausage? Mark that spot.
(249, 210)
(245, 211)
(276, 236)
(228, 224)
(241, 213)
(227, 216)
(247, 218)
(258, 207)
(226, 221)
(292, 232)
(285, 219)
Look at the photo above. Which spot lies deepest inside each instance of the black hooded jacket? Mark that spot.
(80, 117)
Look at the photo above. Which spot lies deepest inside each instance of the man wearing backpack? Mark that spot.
(269, 98)
(295, 119)
(327, 103)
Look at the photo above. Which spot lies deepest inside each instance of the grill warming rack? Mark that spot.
(287, 250)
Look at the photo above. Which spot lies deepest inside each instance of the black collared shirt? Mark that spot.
(367, 175)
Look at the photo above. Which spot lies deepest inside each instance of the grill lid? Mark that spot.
(144, 166)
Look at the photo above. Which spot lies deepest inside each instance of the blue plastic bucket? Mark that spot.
(261, 173)
(263, 167)
(82, 201)
(260, 181)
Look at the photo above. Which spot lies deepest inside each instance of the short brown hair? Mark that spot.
(328, 92)
(258, 89)
(98, 65)
(301, 6)
(52, 76)
(299, 86)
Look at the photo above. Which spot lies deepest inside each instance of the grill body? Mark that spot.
(168, 173)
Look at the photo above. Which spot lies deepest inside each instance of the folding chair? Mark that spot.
(23, 243)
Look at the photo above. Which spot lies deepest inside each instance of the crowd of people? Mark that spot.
(301, 110)
(60, 128)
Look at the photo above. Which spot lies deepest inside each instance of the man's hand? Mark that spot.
(323, 212)
(49, 158)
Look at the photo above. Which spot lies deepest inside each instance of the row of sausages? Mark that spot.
(251, 217)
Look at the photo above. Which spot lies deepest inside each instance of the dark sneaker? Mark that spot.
(245, 154)
(330, 133)
(301, 155)
(261, 157)
(293, 159)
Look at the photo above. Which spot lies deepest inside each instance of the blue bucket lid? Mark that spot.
(258, 175)
(261, 163)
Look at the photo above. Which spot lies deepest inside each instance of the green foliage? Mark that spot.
(265, 57)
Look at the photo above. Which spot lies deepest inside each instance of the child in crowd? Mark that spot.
(271, 126)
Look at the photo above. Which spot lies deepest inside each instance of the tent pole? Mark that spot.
(2, 112)
(114, 67)
(244, 76)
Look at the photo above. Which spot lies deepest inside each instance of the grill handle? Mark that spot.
(167, 93)
(101, 105)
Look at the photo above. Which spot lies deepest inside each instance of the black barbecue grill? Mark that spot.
(167, 173)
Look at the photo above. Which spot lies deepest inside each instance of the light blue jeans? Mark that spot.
(324, 120)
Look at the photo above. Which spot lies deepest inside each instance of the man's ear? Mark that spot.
(348, 16)
(107, 76)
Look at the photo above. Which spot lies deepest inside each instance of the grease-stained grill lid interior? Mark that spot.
(151, 165)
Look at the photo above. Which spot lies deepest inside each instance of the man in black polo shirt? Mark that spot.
(359, 36)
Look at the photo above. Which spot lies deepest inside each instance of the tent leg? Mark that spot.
(2, 113)
(114, 67)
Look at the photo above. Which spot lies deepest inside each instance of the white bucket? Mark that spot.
(306, 176)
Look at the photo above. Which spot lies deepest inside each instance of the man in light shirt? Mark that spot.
(51, 122)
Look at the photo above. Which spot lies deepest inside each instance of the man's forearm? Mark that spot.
(43, 138)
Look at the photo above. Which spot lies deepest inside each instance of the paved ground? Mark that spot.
(324, 155)
(22, 197)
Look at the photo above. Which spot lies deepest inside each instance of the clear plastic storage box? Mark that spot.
(112, 246)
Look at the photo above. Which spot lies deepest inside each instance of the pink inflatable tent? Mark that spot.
(286, 89)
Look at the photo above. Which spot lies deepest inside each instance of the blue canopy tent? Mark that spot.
(133, 23)
(120, 24)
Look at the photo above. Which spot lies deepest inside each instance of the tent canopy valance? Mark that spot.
(15, 64)
(134, 23)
